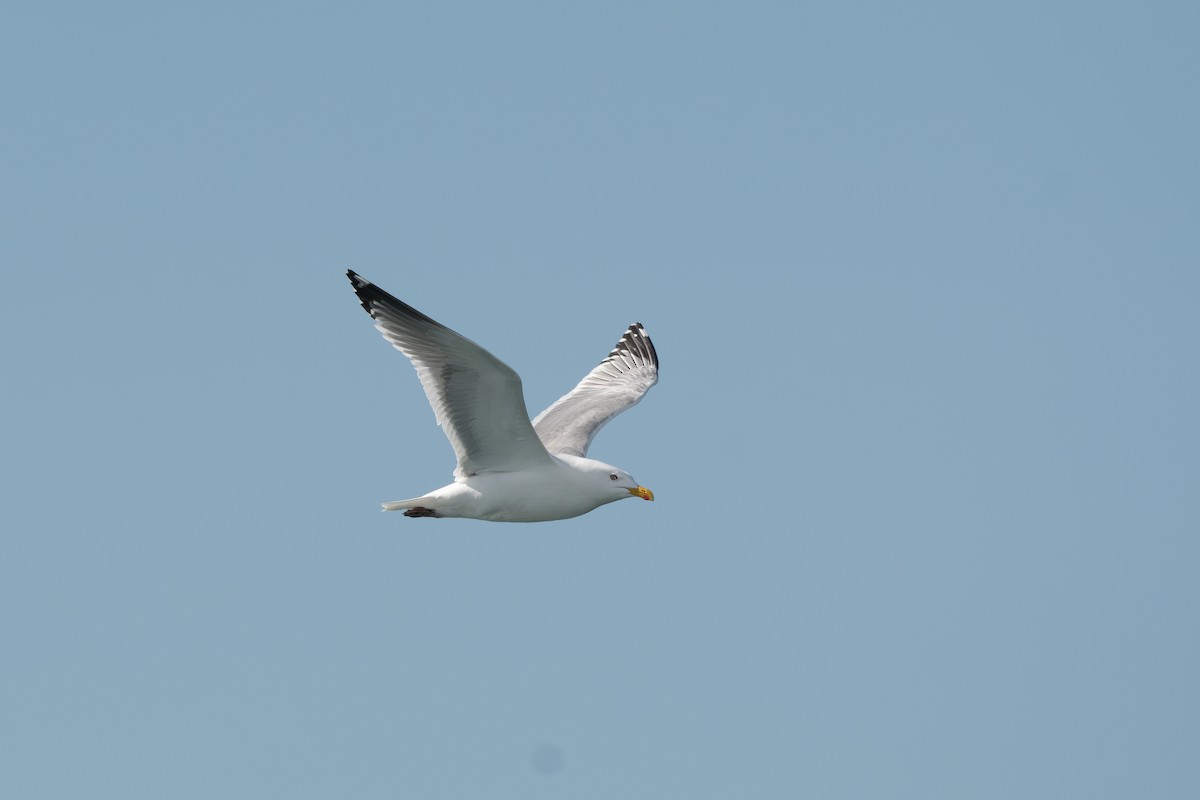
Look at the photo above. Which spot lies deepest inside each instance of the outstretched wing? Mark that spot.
(476, 397)
(619, 382)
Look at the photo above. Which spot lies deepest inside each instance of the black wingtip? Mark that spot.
(371, 296)
(649, 344)
(636, 342)
(362, 289)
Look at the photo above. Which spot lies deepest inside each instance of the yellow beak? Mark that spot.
(642, 492)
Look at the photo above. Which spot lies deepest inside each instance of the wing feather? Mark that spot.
(476, 397)
(617, 383)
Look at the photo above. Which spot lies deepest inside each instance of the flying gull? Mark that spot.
(511, 469)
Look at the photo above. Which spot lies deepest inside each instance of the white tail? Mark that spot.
(400, 505)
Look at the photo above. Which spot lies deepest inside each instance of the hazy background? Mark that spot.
(924, 282)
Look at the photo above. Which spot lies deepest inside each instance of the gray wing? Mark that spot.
(619, 382)
(476, 397)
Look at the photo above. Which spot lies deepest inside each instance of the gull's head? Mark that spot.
(614, 482)
(604, 481)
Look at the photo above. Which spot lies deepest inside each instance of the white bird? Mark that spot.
(509, 469)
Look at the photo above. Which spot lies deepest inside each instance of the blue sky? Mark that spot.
(923, 280)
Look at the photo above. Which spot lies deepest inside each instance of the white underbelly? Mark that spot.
(520, 497)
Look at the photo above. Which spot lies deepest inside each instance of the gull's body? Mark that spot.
(510, 469)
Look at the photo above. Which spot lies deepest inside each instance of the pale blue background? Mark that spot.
(924, 280)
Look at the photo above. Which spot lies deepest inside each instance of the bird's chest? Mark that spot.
(523, 498)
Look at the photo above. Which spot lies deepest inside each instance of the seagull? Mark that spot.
(510, 469)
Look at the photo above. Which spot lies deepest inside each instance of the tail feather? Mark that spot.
(400, 505)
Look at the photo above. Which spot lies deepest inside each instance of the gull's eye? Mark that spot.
(612, 477)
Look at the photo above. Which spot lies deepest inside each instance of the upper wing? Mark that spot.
(476, 397)
(617, 383)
